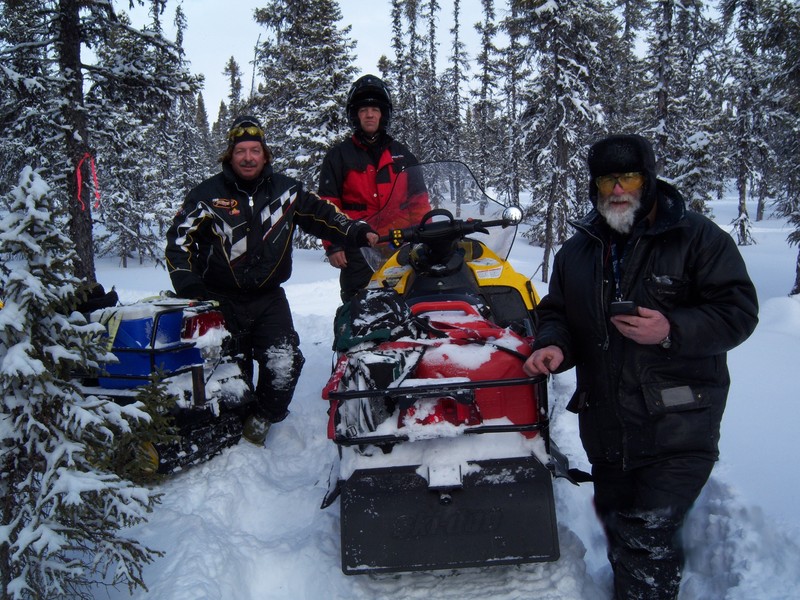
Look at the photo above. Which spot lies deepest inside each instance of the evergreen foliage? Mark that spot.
(718, 98)
(780, 41)
(560, 111)
(63, 515)
(306, 66)
(58, 112)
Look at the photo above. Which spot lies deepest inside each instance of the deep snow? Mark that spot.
(248, 524)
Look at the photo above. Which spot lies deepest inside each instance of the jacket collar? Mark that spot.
(383, 141)
(232, 179)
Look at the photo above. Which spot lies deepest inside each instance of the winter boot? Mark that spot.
(255, 429)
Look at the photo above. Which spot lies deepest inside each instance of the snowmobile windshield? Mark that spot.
(437, 186)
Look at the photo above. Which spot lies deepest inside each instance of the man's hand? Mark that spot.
(338, 259)
(373, 238)
(543, 361)
(647, 327)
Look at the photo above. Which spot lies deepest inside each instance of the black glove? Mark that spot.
(361, 235)
(195, 291)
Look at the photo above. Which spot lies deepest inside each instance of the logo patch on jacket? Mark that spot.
(228, 204)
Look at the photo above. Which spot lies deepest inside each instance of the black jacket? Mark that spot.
(638, 403)
(228, 238)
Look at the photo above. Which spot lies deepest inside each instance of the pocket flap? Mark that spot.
(662, 400)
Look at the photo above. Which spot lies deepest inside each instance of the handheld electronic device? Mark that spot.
(622, 307)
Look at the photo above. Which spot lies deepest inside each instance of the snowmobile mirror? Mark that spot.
(512, 215)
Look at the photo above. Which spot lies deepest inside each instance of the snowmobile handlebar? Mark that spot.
(449, 229)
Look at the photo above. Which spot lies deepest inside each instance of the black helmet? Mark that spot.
(369, 91)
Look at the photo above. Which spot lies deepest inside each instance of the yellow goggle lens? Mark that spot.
(250, 130)
(629, 182)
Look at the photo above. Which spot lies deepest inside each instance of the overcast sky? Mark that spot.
(220, 29)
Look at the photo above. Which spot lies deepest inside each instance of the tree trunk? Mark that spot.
(741, 186)
(762, 200)
(796, 288)
(76, 146)
(664, 80)
(549, 229)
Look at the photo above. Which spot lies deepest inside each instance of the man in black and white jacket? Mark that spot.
(231, 241)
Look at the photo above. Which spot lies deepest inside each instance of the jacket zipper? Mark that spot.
(601, 299)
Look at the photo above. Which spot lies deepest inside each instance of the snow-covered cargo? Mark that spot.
(145, 339)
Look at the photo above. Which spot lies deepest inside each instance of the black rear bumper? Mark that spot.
(500, 512)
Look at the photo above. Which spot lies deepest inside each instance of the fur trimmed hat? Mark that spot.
(623, 153)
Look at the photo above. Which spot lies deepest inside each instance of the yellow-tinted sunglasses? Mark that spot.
(249, 130)
(629, 182)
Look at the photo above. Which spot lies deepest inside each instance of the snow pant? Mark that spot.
(355, 275)
(642, 512)
(264, 320)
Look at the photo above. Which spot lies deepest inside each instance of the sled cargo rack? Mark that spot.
(463, 392)
(147, 346)
(154, 343)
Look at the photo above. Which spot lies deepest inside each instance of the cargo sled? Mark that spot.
(445, 457)
(185, 345)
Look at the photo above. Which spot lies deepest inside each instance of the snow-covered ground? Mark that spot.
(248, 524)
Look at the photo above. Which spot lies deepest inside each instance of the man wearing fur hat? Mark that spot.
(231, 241)
(645, 300)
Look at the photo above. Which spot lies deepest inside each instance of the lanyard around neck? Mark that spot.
(616, 266)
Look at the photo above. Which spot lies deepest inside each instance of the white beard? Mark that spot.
(620, 219)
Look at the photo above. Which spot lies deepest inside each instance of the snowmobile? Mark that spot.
(185, 345)
(444, 454)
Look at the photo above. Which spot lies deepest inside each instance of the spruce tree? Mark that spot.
(404, 73)
(514, 70)
(63, 516)
(560, 109)
(306, 67)
(780, 42)
(206, 142)
(234, 75)
(434, 144)
(486, 108)
(682, 118)
(147, 155)
(452, 93)
(620, 88)
(45, 113)
(747, 125)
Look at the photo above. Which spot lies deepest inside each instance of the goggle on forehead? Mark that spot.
(245, 129)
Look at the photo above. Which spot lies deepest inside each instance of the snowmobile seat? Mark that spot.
(508, 308)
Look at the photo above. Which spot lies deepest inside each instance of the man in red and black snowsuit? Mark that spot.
(359, 174)
(231, 241)
(645, 300)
